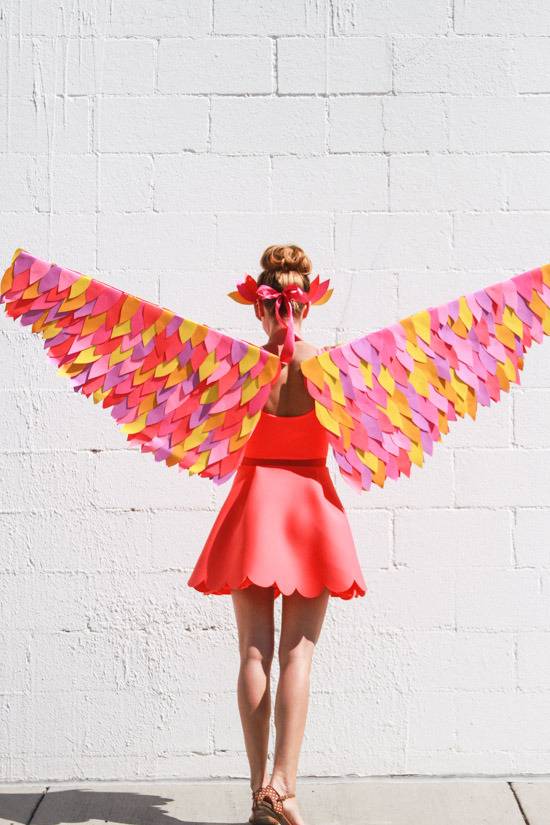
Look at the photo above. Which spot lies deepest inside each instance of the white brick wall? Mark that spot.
(161, 145)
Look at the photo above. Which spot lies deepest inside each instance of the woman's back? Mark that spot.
(289, 395)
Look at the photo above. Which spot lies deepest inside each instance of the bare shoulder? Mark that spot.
(303, 350)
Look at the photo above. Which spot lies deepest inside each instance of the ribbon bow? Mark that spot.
(248, 292)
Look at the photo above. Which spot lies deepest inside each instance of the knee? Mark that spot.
(297, 656)
(257, 653)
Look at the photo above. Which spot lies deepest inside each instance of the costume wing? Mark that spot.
(191, 395)
(386, 397)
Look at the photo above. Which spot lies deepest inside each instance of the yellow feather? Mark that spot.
(326, 419)
(121, 329)
(166, 367)
(195, 438)
(147, 403)
(313, 370)
(421, 322)
(464, 312)
(386, 380)
(210, 394)
(176, 376)
(328, 365)
(186, 330)
(135, 426)
(416, 454)
(248, 424)
(249, 390)
(201, 463)
(366, 371)
(87, 356)
(415, 352)
(419, 382)
(511, 320)
(79, 286)
(69, 305)
(505, 336)
(249, 360)
(393, 413)
(129, 308)
(368, 459)
(208, 366)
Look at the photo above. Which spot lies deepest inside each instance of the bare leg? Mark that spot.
(255, 623)
(301, 623)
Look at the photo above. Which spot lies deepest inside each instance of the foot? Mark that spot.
(292, 811)
(290, 807)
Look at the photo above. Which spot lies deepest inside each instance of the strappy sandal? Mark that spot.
(255, 800)
(269, 807)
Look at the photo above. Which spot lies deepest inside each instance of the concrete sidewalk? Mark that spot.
(404, 801)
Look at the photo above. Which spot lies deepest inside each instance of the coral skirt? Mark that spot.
(282, 524)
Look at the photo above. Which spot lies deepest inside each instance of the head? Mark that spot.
(282, 265)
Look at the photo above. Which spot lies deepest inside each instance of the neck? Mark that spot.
(277, 335)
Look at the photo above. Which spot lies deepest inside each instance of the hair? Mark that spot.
(281, 266)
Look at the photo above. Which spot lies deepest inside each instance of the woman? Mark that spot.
(281, 531)
(216, 405)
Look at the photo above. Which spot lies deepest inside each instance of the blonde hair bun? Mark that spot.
(283, 265)
(285, 258)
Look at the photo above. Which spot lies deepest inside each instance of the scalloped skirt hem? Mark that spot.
(353, 591)
(283, 528)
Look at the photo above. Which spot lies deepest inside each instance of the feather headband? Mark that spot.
(248, 292)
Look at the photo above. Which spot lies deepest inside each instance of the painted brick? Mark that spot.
(333, 65)
(394, 602)
(210, 183)
(330, 183)
(531, 408)
(442, 182)
(494, 239)
(221, 65)
(391, 17)
(70, 185)
(415, 123)
(19, 181)
(473, 65)
(497, 599)
(530, 65)
(153, 124)
(126, 66)
(241, 238)
(164, 18)
(392, 240)
(263, 17)
(126, 183)
(502, 17)
(31, 129)
(523, 475)
(152, 484)
(159, 239)
(498, 124)
(527, 181)
(533, 663)
(508, 721)
(355, 124)
(448, 660)
(469, 537)
(531, 537)
(268, 125)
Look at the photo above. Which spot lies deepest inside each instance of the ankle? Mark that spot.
(283, 784)
(259, 782)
